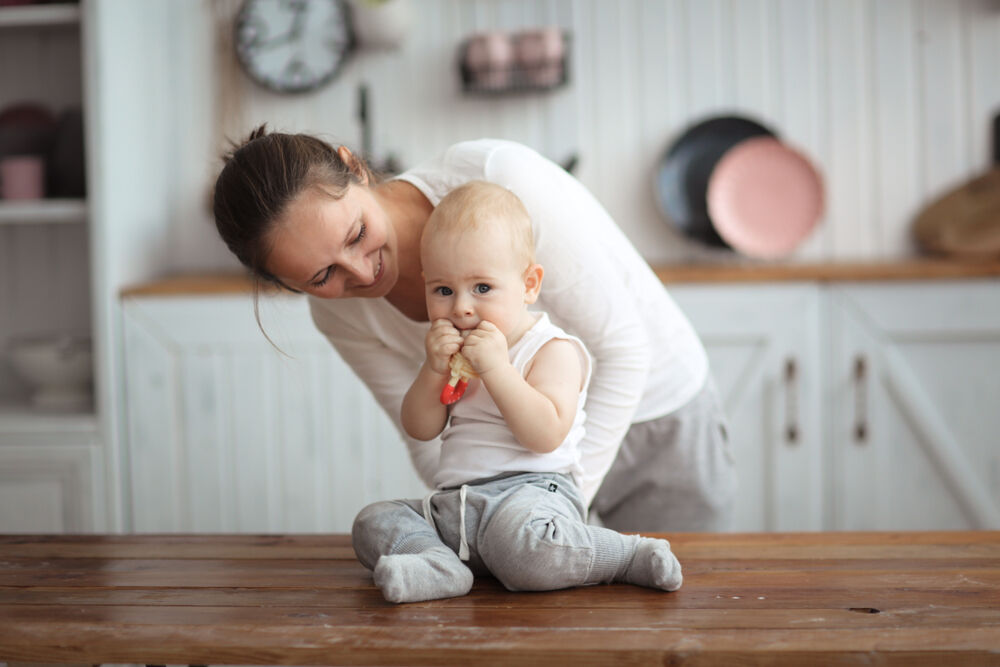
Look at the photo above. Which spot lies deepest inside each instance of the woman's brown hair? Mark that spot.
(259, 178)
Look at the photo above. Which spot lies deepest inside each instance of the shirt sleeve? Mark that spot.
(387, 373)
(586, 290)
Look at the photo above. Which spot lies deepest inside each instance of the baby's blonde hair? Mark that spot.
(478, 204)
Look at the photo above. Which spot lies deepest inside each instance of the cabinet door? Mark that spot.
(915, 372)
(762, 342)
(46, 487)
(227, 433)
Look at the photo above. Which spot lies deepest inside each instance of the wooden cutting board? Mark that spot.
(770, 599)
(964, 222)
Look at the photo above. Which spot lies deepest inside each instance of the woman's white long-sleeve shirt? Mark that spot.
(647, 359)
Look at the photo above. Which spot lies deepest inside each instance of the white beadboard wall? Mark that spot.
(892, 99)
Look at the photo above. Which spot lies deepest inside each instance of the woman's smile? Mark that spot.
(379, 271)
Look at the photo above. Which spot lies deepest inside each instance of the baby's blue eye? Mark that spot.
(444, 291)
(482, 288)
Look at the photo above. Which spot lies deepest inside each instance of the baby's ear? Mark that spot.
(533, 282)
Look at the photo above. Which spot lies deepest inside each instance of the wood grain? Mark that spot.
(738, 271)
(927, 598)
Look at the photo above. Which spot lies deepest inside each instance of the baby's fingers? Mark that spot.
(487, 327)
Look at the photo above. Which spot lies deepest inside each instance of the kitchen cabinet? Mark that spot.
(50, 475)
(852, 406)
(890, 389)
(229, 433)
(763, 344)
(915, 380)
(43, 242)
(63, 263)
(51, 464)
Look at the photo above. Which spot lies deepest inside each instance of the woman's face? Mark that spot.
(335, 248)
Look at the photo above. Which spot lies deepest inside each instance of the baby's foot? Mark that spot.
(654, 565)
(428, 575)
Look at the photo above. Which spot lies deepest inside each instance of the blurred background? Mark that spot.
(114, 114)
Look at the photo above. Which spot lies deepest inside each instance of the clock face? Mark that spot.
(293, 46)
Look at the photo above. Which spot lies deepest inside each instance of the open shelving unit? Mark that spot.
(43, 211)
(27, 16)
(44, 247)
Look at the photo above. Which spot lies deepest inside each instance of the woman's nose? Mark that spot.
(362, 271)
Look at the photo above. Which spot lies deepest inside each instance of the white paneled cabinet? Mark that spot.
(763, 344)
(914, 421)
(851, 407)
(50, 475)
(891, 388)
(228, 433)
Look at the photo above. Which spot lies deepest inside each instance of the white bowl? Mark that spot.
(58, 368)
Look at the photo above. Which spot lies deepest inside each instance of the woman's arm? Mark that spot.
(587, 262)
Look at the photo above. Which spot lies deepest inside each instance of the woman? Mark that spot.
(312, 218)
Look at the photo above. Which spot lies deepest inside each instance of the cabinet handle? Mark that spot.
(791, 402)
(860, 399)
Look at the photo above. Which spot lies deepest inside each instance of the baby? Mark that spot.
(506, 502)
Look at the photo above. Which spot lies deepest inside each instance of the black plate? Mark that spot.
(682, 174)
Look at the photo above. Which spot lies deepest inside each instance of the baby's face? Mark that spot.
(474, 276)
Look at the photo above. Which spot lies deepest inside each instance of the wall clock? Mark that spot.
(293, 46)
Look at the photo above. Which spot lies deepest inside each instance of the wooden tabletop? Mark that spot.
(775, 599)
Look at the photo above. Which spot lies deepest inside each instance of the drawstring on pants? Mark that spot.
(463, 543)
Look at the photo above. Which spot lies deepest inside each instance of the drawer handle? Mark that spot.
(791, 402)
(860, 399)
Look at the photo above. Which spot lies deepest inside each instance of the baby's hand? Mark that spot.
(442, 341)
(485, 348)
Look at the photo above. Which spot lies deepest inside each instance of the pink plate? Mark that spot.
(764, 198)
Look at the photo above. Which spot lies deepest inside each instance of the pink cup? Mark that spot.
(22, 177)
(540, 55)
(490, 57)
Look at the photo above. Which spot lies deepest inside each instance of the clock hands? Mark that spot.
(293, 45)
(294, 33)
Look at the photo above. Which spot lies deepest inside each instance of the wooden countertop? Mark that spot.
(915, 269)
(929, 598)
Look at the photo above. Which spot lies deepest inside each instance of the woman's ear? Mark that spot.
(533, 282)
(353, 163)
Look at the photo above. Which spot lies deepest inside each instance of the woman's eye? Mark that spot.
(325, 279)
(482, 288)
(361, 233)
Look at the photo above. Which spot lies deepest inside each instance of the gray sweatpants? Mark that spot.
(526, 529)
(675, 473)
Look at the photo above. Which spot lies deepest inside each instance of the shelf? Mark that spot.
(25, 418)
(43, 211)
(27, 16)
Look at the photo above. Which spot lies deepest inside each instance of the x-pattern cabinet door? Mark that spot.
(763, 346)
(912, 367)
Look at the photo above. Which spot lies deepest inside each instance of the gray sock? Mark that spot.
(429, 575)
(653, 565)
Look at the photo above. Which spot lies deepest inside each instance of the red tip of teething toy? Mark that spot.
(452, 392)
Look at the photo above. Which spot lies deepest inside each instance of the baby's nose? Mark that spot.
(463, 304)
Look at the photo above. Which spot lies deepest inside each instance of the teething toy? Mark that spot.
(461, 373)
